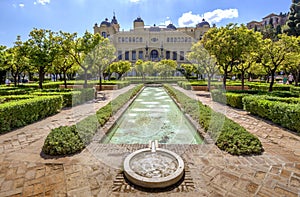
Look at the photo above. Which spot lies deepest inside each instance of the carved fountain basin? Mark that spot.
(153, 169)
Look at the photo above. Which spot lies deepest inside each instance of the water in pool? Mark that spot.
(153, 116)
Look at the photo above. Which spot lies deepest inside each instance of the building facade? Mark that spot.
(272, 19)
(151, 42)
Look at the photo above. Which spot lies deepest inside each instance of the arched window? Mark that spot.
(154, 55)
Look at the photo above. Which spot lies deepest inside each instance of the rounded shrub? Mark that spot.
(63, 140)
(239, 142)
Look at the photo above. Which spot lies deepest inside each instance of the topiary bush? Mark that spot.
(238, 142)
(63, 140)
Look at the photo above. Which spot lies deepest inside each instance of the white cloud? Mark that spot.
(21, 5)
(166, 21)
(218, 15)
(134, 1)
(42, 2)
(190, 19)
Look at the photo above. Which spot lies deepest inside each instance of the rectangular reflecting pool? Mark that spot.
(153, 115)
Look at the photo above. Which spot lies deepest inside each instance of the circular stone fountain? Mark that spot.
(150, 168)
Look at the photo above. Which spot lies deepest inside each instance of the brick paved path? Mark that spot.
(96, 171)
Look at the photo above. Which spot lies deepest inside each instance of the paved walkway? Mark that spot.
(96, 171)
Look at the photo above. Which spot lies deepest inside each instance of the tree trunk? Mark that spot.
(41, 77)
(120, 76)
(100, 82)
(224, 80)
(208, 82)
(272, 80)
(15, 80)
(65, 79)
(243, 79)
(30, 76)
(85, 78)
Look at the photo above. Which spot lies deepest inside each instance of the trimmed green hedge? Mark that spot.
(235, 98)
(265, 87)
(295, 89)
(71, 98)
(15, 91)
(279, 110)
(46, 85)
(23, 112)
(229, 136)
(85, 129)
(4, 99)
(185, 85)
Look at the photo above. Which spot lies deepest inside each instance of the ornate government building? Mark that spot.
(151, 42)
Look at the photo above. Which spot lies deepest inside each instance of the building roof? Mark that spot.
(106, 23)
(270, 15)
(114, 20)
(138, 19)
(203, 23)
(171, 26)
(254, 22)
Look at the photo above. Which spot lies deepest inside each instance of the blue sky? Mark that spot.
(19, 17)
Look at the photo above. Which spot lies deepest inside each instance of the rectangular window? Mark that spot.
(133, 55)
(126, 55)
(181, 55)
(141, 39)
(129, 39)
(119, 39)
(168, 55)
(133, 39)
(174, 55)
(141, 55)
(168, 39)
(119, 55)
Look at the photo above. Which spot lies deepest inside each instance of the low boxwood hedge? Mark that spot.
(19, 113)
(184, 84)
(229, 136)
(283, 111)
(70, 98)
(86, 128)
(235, 98)
(15, 91)
(4, 99)
(265, 87)
(295, 89)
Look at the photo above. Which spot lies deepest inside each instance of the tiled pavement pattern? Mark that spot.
(96, 170)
